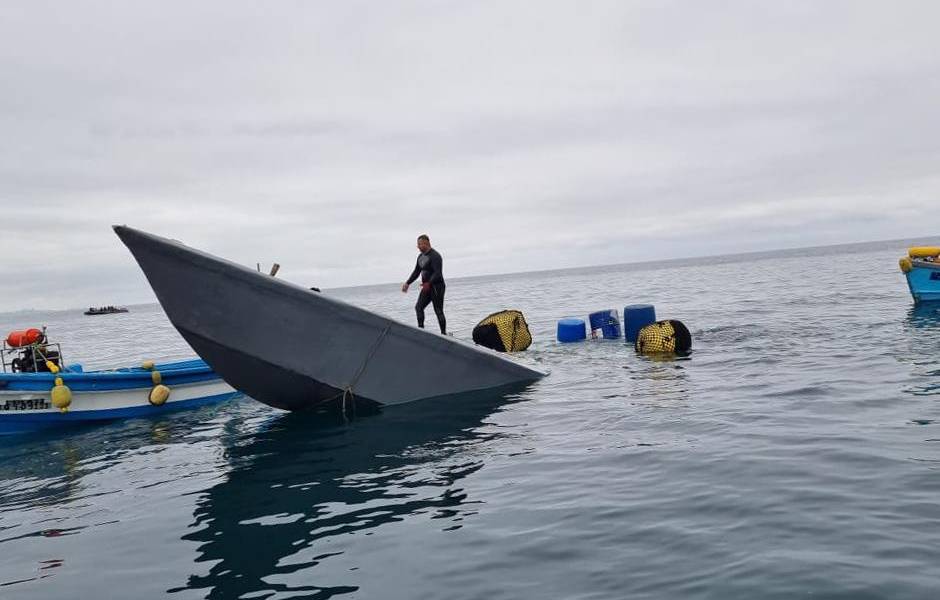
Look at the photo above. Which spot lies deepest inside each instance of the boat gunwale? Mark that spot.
(924, 264)
(113, 379)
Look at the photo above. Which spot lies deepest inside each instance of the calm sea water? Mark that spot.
(796, 453)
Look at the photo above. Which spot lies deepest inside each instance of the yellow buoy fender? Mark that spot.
(906, 265)
(147, 364)
(61, 395)
(159, 395)
(156, 377)
(923, 251)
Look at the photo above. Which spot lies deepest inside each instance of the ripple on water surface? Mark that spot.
(795, 453)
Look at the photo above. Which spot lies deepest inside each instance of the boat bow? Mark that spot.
(293, 348)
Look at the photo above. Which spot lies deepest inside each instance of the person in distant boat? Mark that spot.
(430, 266)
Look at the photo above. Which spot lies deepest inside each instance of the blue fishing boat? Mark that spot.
(921, 267)
(39, 390)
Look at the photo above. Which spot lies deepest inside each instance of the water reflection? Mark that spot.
(922, 345)
(49, 468)
(922, 329)
(56, 483)
(304, 480)
(924, 316)
(660, 380)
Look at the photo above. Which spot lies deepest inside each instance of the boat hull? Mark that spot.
(296, 349)
(26, 405)
(923, 280)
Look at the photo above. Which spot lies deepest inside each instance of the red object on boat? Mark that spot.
(24, 337)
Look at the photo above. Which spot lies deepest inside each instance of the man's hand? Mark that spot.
(404, 288)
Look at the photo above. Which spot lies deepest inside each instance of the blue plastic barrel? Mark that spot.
(635, 318)
(571, 330)
(606, 324)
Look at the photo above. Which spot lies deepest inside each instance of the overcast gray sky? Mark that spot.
(519, 135)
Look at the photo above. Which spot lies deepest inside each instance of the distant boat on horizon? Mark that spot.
(106, 310)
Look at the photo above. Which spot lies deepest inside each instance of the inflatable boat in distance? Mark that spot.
(293, 348)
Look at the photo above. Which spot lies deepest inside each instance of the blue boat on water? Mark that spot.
(39, 390)
(921, 267)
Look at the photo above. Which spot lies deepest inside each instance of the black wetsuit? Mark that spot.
(430, 266)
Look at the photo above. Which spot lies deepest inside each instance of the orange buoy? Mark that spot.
(24, 337)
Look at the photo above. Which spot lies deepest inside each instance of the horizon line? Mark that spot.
(662, 260)
(750, 253)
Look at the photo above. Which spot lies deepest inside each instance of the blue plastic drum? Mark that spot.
(635, 318)
(571, 330)
(605, 324)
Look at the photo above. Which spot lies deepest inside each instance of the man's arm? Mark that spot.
(415, 273)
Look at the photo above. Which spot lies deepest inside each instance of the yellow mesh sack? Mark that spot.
(504, 331)
(664, 337)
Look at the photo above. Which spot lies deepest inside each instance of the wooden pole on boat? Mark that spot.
(274, 269)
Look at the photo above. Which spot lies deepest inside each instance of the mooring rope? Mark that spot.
(348, 391)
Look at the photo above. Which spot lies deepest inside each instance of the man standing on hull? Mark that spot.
(430, 266)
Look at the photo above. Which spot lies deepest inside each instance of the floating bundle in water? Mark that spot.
(605, 324)
(571, 330)
(664, 337)
(635, 318)
(640, 327)
(503, 331)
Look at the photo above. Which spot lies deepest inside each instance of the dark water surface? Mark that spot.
(795, 454)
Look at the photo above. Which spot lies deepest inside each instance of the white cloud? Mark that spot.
(520, 136)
